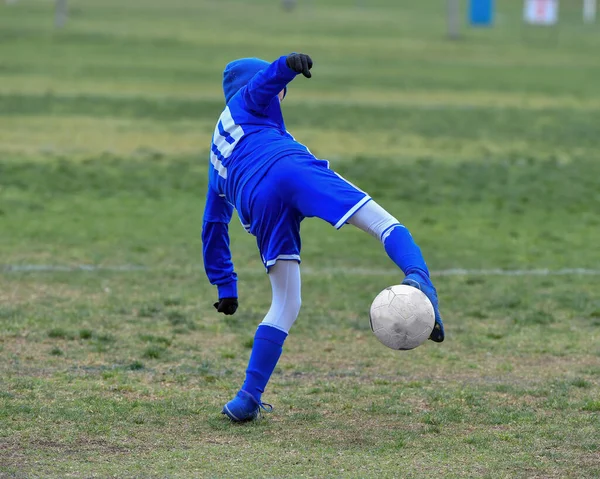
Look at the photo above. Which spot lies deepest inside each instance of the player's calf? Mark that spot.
(402, 250)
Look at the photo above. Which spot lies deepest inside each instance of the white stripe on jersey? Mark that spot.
(222, 170)
(224, 147)
(235, 132)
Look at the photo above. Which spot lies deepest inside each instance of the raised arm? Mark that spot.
(215, 247)
(266, 84)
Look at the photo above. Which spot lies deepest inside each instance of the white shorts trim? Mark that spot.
(351, 211)
(285, 257)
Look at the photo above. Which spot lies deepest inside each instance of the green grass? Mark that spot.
(487, 148)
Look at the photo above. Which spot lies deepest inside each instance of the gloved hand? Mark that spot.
(226, 306)
(300, 63)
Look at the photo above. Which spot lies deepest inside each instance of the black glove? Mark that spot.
(300, 63)
(226, 306)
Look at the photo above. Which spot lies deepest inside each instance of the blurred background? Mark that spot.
(138, 80)
(478, 130)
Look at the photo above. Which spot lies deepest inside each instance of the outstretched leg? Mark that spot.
(402, 250)
(268, 340)
(315, 190)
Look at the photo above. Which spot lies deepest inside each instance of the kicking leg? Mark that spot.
(268, 340)
(315, 190)
(402, 250)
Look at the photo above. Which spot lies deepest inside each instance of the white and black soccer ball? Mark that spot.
(402, 317)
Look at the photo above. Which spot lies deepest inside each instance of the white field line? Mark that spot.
(307, 270)
(460, 272)
(34, 268)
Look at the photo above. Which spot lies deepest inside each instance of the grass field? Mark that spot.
(488, 148)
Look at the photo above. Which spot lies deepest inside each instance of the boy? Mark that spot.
(275, 182)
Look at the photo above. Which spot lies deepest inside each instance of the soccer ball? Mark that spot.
(402, 317)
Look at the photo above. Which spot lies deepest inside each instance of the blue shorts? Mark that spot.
(294, 188)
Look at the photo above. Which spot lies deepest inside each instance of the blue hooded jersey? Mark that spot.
(249, 137)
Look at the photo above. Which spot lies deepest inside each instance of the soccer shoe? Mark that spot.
(244, 407)
(417, 281)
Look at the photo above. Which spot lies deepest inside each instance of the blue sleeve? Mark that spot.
(266, 84)
(215, 245)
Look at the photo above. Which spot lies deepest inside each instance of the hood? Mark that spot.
(238, 73)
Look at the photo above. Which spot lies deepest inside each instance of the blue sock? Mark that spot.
(402, 249)
(267, 347)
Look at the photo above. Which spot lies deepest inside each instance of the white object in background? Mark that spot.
(289, 4)
(589, 11)
(60, 13)
(541, 12)
(453, 18)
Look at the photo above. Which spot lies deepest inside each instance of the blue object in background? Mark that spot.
(481, 12)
